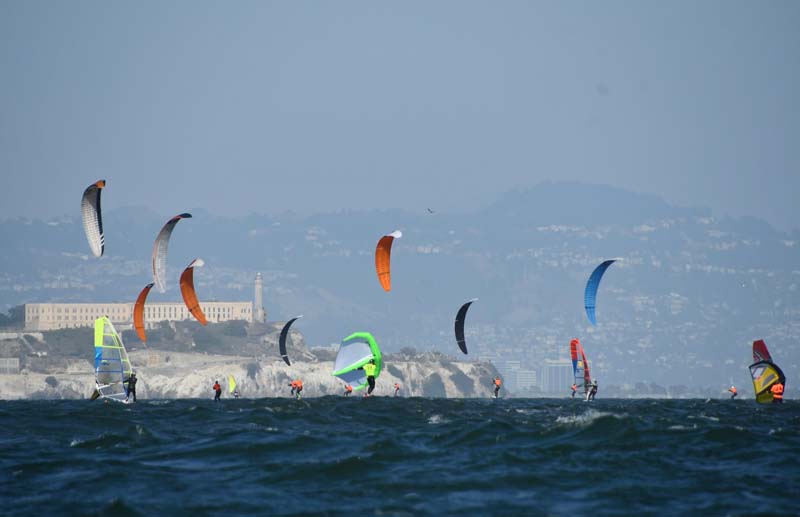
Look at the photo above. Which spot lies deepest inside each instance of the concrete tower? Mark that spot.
(259, 315)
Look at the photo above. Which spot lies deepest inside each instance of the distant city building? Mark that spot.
(52, 316)
(556, 376)
(526, 379)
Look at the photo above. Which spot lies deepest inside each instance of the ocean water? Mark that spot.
(399, 456)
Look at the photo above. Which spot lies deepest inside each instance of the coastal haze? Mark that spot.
(676, 315)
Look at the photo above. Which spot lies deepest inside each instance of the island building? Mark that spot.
(53, 316)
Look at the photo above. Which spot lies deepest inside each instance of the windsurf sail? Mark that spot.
(188, 293)
(93, 217)
(138, 312)
(231, 384)
(383, 255)
(764, 372)
(356, 350)
(590, 293)
(580, 366)
(459, 326)
(112, 368)
(282, 339)
(160, 248)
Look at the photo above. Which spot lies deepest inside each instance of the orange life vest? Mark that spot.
(732, 389)
(300, 384)
(777, 391)
(348, 388)
(574, 387)
(497, 382)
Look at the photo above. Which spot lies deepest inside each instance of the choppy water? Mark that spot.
(399, 456)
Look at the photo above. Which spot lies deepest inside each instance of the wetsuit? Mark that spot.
(217, 391)
(369, 369)
(593, 392)
(132, 387)
(777, 393)
(396, 388)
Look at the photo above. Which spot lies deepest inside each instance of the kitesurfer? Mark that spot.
(293, 385)
(217, 391)
(396, 388)
(236, 394)
(732, 389)
(298, 387)
(369, 369)
(347, 390)
(131, 387)
(574, 389)
(593, 391)
(777, 392)
(497, 384)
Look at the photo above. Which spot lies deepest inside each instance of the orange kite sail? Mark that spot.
(383, 254)
(187, 291)
(138, 312)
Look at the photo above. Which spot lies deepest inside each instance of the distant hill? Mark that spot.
(682, 307)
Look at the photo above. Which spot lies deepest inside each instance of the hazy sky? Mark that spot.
(243, 107)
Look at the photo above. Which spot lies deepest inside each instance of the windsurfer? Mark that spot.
(593, 391)
(369, 369)
(732, 389)
(131, 386)
(777, 392)
(396, 388)
(574, 389)
(497, 384)
(236, 394)
(347, 390)
(217, 391)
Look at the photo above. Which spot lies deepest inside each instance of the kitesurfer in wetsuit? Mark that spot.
(217, 391)
(777, 392)
(131, 387)
(497, 383)
(593, 391)
(732, 389)
(369, 369)
(574, 389)
(396, 388)
(347, 390)
(298, 387)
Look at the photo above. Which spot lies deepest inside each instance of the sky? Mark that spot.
(243, 107)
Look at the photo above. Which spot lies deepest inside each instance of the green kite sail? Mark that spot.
(356, 350)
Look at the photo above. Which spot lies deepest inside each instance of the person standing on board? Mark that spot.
(396, 388)
(131, 387)
(236, 394)
(298, 387)
(777, 393)
(732, 389)
(593, 391)
(293, 385)
(574, 389)
(497, 384)
(347, 390)
(217, 391)
(369, 369)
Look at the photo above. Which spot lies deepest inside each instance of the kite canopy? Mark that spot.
(138, 312)
(112, 368)
(383, 255)
(764, 373)
(459, 327)
(187, 291)
(357, 350)
(93, 217)
(282, 339)
(160, 252)
(580, 366)
(590, 294)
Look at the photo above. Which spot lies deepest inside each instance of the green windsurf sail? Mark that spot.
(112, 368)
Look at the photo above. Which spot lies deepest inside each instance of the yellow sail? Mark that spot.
(231, 384)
